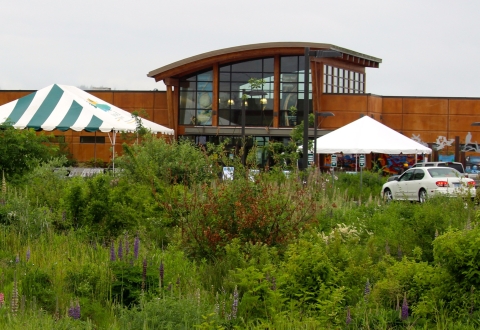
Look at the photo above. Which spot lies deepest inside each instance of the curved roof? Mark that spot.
(226, 55)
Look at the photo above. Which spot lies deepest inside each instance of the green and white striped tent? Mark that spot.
(67, 107)
(64, 107)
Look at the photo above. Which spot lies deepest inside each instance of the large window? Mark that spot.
(234, 84)
(195, 106)
(337, 80)
(292, 87)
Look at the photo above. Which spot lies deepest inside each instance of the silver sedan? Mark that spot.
(417, 183)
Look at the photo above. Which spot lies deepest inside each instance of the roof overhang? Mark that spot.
(249, 131)
(245, 52)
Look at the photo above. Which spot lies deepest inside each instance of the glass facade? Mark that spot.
(196, 96)
(235, 91)
(337, 80)
(292, 88)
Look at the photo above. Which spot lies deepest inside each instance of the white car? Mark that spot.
(417, 183)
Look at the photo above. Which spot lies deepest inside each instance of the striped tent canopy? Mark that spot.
(67, 107)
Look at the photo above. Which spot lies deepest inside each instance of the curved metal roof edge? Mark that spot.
(259, 46)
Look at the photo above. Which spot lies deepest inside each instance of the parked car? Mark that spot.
(456, 165)
(418, 183)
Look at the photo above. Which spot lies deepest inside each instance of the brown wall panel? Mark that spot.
(135, 100)
(393, 121)
(466, 107)
(341, 102)
(107, 96)
(419, 122)
(160, 100)
(375, 104)
(461, 123)
(9, 96)
(391, 105)
(432, 106)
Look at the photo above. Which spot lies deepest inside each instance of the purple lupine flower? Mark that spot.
(77, 311)
(71, 310)
(112, 251)
(28, 254)
(235, 303)
(366, 292)
(404, 307)
(120, 250)
(74, 310)
(2, 299)
(349, 317)
(136, 246)
(161, 271)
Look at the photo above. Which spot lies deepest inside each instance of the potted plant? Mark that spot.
(292, 115)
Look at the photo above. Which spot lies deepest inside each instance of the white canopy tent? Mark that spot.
(366, 135)
(64, 107)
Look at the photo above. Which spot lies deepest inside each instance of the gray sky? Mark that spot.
(428, 47)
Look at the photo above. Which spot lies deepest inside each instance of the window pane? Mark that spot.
(249, 66)
(204, 86)
(224, 86)
(268, 64)
(187, 117)
(225, 76)
(205, 76)
(204, 100)
(289, 64)
(187, 99)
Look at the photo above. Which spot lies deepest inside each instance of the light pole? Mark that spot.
(306, 107)
(318, 114)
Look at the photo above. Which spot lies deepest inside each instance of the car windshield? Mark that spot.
(439, 172)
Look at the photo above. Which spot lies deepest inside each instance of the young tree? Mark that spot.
(22, 149)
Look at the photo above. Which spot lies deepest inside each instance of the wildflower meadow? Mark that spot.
(166, 242)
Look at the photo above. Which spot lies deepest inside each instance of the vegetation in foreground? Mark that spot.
(166, 244)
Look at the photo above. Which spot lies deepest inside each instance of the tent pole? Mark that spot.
(95, 150)
(112, 142)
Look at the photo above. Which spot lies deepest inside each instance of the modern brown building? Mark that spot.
(205, 95)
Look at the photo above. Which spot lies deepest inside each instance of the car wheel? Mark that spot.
(422, 196)
(387, 195)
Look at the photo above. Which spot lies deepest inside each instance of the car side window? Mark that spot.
(406, 176)
(418, 175)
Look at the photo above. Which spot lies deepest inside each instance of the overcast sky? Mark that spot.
(428, 47)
